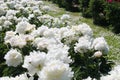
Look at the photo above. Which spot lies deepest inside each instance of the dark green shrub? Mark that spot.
(70, 5)
(113, 15)
(99, 16)
(84, 8)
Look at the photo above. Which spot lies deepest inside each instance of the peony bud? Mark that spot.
(97, 54)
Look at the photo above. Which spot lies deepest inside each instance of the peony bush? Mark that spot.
(37, 46)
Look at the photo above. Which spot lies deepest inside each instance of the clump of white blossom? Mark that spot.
(13, 58)
(101, 45)
(56, 70)
(23, 27)
(34, 62)
(46, 8)
(83, 45)
(65, 17)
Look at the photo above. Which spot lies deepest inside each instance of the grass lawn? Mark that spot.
(76, 18)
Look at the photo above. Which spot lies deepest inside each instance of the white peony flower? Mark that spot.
(59, 52)
(62, 31)
(24, 26)
(37, 12)
(30, 27)
(4, 6)
(43, 43)
(8, 36)
(76, 29)
(13, 58)
(56, 70)
(49, 33)
(65, 17)
(39, 31)
(27, 10)
(46, 8)
(18, 6)
(40, 2)
(18, 41)
(68, 35)
(42, 29)
(7, 24)
(11, 13)
(35, 7)
(57, 22)
(32, 3)
(24, 2)
(45, 18)
(83, 45)
(28, 37)
(30, 16)
(34, 62)
(35, 33)
(11, 4)
(85, 29)
(21, 19)
(56, 33)
(101, 45)
(10, 18)
(2, 20)
(21, 27)
(2, 11)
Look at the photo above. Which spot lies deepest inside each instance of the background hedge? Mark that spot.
(84, 8)
(113, 15)
(103, 12)
(71, 5)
